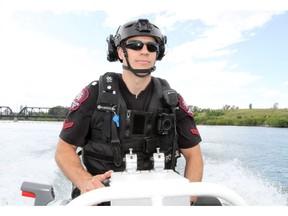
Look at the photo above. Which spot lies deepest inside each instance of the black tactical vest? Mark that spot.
(114, 129)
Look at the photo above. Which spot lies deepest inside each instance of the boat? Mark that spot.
(132, 187)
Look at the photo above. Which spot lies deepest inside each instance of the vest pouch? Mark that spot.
(150, 145)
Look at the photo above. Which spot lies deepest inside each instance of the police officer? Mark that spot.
(128, 110)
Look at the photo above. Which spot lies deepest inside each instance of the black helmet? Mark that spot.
(140, 27)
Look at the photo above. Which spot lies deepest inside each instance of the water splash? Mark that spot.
(254, 188)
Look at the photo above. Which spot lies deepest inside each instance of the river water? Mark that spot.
(250, 160)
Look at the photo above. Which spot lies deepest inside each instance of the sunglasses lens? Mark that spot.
(152, 47)
(138, 45)
(134, 45)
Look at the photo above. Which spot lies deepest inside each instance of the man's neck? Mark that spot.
(134, 83)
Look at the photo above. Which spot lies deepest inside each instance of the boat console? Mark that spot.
(132, 187)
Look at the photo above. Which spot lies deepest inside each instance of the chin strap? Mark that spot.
(137, 72)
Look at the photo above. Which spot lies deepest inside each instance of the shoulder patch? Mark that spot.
(194, 131)
(79, 99)
(185, 107)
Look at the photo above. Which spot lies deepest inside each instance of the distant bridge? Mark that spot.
(33, 113)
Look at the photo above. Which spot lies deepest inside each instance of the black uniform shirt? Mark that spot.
(76, 125)
(141, 102)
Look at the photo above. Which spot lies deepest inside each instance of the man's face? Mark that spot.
(142, 52)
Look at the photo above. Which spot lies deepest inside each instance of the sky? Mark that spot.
(231, 54)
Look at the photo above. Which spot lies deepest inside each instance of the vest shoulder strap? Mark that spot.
(160, 85)
(108, 81)
(108, 88)
(165, 85)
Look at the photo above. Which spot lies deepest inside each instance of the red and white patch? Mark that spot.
(79, 99)
(194, 131)
(185, 107)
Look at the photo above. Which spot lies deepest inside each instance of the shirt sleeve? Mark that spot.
(77, 122)
(188, 134)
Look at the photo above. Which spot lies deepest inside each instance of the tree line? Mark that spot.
(243, 117)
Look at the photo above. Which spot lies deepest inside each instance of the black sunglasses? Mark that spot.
(138, 45)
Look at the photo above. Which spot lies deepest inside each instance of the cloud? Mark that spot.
(196, 65)
(35, 68)
(208, 84)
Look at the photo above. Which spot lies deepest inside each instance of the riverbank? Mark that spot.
(244, 117)
(237, 117)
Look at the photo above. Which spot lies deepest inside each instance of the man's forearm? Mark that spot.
(70, 163)
(194, 170)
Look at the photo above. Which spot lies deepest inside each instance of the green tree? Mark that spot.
(58, 111)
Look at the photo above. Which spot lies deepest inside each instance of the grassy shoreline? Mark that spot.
(244, 117)
(235, 117)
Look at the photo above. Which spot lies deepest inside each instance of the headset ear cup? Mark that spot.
(161, 52)
(112, 54)
(162, 48)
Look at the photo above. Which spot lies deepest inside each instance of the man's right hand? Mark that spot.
(95, 182)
